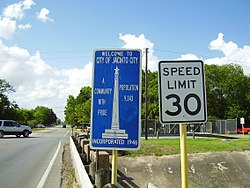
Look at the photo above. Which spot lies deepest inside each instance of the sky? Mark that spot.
(46, 47)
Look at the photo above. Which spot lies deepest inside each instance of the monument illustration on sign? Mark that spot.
(115, 131)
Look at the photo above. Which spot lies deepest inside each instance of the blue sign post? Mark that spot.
(116, 99)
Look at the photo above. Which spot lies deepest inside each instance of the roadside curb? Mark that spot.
(82, 175)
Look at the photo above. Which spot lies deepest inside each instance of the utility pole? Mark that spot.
(146, 97)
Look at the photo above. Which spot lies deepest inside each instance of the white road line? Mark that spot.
(66, 133)
(46, 173)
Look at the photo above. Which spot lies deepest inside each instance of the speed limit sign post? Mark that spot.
(182, 99)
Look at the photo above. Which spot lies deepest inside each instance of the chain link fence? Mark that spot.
(228, 126)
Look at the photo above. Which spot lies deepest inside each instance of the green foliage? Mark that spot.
(152, 95)
(45, 115)
(70, 114)
(5, 87)
(84, 95)
(153, 100)
(227, 88)
(32, 123)
(40, 115)
(24, 116)
(83, 111)
(58, 121)
(78, 109)
(7, 108)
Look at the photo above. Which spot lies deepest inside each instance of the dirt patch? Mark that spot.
(68, 178)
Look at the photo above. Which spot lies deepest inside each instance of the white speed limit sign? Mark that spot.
(182, 92)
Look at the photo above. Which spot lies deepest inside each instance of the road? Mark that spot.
(34, 161)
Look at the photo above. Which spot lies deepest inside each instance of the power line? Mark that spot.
(168, 51)
(89, 52)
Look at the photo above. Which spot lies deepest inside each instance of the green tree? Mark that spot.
(153, 99)
(84, 95)
(7, 108)
(45, 115)
(50, 118)
(152, 95)
(70, 112)
(227, 88)
(24, 115)
(83, 107)
(78, 110)
(83, 112)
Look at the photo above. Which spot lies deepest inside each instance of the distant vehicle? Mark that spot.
(40, 126)
(10, 127)
(64, 126)
(245, 130)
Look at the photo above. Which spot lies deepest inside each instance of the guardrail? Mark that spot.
(81, 173)
(95, 162)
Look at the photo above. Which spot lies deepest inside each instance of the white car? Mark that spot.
(10, 127)
(40, 126)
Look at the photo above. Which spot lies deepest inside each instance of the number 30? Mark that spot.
(177, 101)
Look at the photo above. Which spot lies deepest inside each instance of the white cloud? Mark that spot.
(11, 14)
(140, 42)
(24, 27)
(36, 82)
(188, 57)
(43, 15)
(16, 10)
(219, 44)
(7, 27)
(27, 4)
(78, 78)
(232, 53)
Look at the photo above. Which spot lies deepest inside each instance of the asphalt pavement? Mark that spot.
(34, 161)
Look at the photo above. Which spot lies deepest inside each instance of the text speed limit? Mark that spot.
(182, 92)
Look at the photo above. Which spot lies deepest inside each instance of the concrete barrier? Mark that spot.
(83, 143)
(213, 169)
(103, 159)
(87, 149)
(97, 163)
(81, 173)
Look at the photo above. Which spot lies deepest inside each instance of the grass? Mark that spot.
(37, 129)
(171, 146)
(68, 179)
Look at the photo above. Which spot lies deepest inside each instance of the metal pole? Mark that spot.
(146, 97)
(242, 122)
(97, 160)
(242, 128)
(114, 167)
(184, 161)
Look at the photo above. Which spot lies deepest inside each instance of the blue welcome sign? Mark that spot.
(116, 99)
